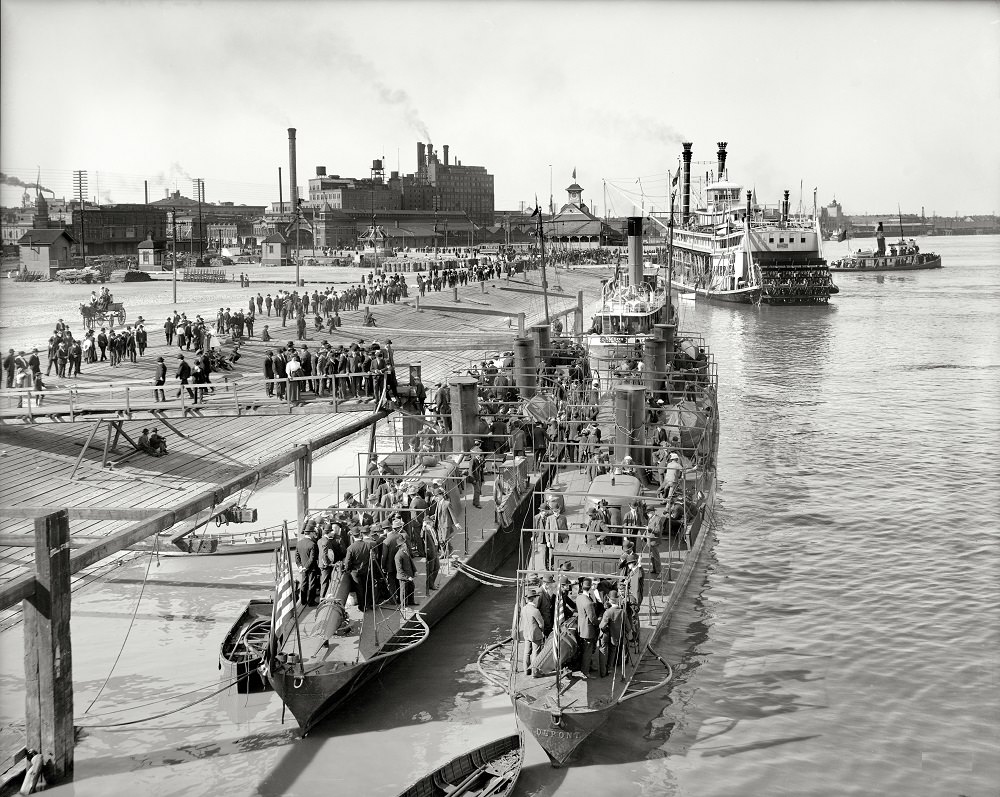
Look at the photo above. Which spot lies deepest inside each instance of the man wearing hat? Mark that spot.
(547, 602)
(532, 630)
(159, 380)
(330, 552)
(307, 559)
(477, 468)
(597, 530)
(405, 573)
(610, 634)
(390, 545)
(634, 578)
(586, 627)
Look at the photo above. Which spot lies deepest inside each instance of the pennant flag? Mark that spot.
(574, 172)
(283, 609)
(675, 178)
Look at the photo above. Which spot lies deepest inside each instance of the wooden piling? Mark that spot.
(48, 659)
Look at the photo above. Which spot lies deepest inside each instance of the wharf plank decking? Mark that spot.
(36, 460)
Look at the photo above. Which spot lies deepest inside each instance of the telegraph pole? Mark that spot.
(80, 184)
(199, 186)
(173, 222)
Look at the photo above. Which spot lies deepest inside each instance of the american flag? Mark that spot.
(283, 609)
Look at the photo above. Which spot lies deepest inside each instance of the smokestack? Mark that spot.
(686, 196)
(145, 190)
(293, 185)
(281, 194)
(430, 152)
(722, 161)
(444, 148)
(321, 171)
(784, 208)
(634, 250)
(421, 157)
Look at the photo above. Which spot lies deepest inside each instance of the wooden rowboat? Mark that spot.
(242, 650)
(488, 771)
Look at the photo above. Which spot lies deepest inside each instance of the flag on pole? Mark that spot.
(283, 608)
(574, 172)
(676, 176)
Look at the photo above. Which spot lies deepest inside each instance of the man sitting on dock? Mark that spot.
(144, 446)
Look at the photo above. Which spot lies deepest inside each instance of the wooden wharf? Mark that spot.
(59, 482)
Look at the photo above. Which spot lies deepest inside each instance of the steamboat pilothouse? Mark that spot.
(733, 250)
(630, 305)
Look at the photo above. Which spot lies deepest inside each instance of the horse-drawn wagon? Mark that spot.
(106, 315)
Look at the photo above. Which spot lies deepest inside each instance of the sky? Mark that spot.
(877, 104)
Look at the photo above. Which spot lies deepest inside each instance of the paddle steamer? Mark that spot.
(729, 249)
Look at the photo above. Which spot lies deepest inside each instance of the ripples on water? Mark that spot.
(843, 639)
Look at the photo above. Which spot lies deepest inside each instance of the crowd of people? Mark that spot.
(364, 553)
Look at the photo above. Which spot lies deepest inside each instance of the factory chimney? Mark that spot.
(634, 250)
(444, 148)
(686, 196)
(421, 158)
(294, 193)
(719, 176)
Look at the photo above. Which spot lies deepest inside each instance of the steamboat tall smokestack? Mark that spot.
(686, 196)
(294, 193)
(634, 250)
(784, 208)
(722, 161)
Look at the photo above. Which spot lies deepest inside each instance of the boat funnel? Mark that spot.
(720, 174)
(635, 250)
(686, 196)
(784, 208)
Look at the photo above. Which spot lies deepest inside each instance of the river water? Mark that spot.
(843, 637)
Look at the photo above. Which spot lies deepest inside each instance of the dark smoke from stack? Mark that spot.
(8, 179)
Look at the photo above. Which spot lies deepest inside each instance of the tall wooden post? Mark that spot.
(48, 659)
(303, 481)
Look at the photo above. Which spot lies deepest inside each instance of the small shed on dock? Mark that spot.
(44, 251)
(150, 255)
(275, 250)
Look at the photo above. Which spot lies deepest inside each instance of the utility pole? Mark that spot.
(545, 283)
(199, 187)
(80, 184)
(437, 205)
(173, 222)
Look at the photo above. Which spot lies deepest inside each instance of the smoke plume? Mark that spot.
(9, 179)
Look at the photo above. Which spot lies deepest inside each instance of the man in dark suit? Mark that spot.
(102, 344)
(405, 573)
(610, 634)
(269, 372)
(159, 380)
(357, 565)
(183, 374)
(307, 559)
(586, 627)
(280, 362)
(390, 545)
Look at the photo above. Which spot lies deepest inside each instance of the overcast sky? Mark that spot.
(875, 103)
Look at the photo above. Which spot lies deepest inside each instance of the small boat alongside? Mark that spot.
(902, 256)
(488, 771)
(242, 650)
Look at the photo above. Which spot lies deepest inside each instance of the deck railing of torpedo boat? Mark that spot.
(552, 551)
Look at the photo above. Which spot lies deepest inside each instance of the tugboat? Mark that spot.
(728, 252)
(612, 551)
(902, 256)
